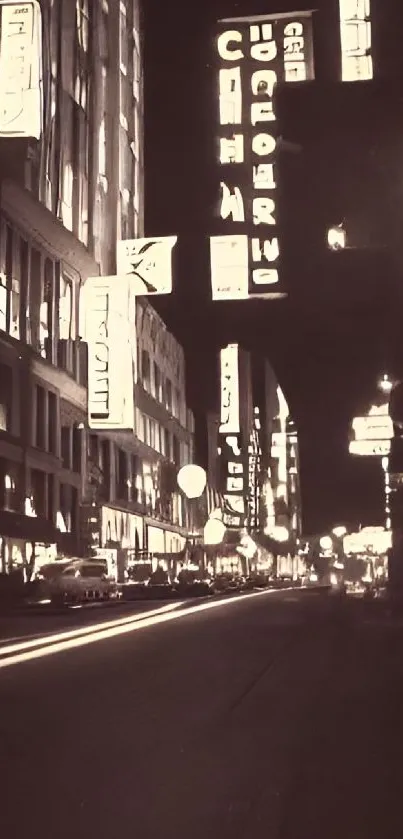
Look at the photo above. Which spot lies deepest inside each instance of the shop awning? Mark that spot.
(28, 528)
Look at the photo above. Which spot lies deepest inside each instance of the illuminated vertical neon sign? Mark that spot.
(356, 40)
(254, 54)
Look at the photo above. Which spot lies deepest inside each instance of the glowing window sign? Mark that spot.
(356, 40)
(254, 54)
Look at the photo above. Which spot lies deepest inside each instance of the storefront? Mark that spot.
(26, 543)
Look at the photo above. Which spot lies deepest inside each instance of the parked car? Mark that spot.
(77, 581)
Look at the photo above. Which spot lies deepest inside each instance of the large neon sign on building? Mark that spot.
(253, 54)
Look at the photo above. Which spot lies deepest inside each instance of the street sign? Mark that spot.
(148, 263)
(368, 448)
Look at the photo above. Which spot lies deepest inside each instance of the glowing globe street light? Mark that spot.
(326, 543)
(280, 534)
(214, 532)
(339, 531)
(385, 384)
(192, 480)
(337, 238)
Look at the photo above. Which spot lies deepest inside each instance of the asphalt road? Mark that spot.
(278, 716)
(43, 620)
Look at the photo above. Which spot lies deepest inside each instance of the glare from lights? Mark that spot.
(336, 238)
(326, 543)
(280, 534)
(385, 384)
(214, 532)
(339, 531)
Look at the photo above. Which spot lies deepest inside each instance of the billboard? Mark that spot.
(109, 317)
(356, 40)
(253, 55)
(229, 387)
(20, 69)
(148, 263)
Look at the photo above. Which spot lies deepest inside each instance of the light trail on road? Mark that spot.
(63, 641)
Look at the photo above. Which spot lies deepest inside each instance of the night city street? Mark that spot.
(275, 716)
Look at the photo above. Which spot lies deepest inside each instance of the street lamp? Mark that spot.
(339, 531)
(336, 238)
(280, 534)
(385, 384)
(192, 480)
(214, 532)
(326, 543)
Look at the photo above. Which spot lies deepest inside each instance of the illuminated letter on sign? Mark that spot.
(266, 49)
(223, 42)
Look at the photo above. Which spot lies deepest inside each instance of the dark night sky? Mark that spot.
(327, 357)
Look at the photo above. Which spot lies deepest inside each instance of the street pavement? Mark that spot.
(41, 620)
(276, 716)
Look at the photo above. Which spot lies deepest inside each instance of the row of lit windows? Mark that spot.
(41, 496)
(158, 385)
(161, 439)
(36, 297)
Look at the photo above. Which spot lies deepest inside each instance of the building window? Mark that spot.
(46, 311)
(178, 401)
(66, 505)
(65, 439)
(34, 300)
(93, 448)
(145, 368)
(51, 511)
(67, 184)
(65, 308)
(157, 381)
(105, 466)
(122, 474)
(9, 485)
(38, 492)
(77, 448)
(53, 423)
(10, 280)
(176, 451)
(168, 450)
(6, 397)
(140, 426)
(168, 394)
(41, 425)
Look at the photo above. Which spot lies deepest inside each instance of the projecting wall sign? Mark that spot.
(148, 263)
(110, 334)
(253, 54)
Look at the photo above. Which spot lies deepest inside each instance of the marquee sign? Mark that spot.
(253, 54)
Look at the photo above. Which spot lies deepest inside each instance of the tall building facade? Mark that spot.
(71, 186)
(258, 445)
